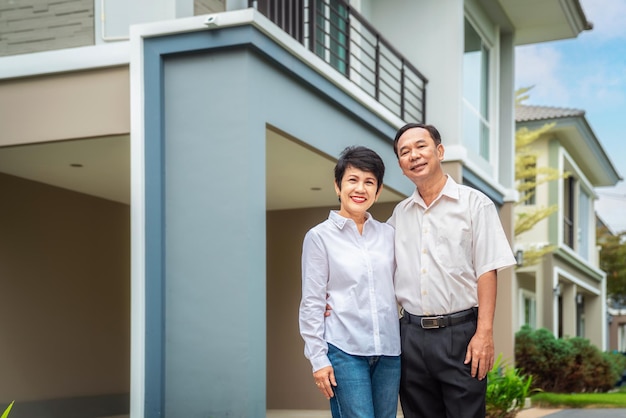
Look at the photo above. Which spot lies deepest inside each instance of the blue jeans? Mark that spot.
(367, 386)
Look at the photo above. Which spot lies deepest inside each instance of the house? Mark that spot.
(565, 291)
(616, 311)
(161, 160)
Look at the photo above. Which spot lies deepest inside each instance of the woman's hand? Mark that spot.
(325, 380)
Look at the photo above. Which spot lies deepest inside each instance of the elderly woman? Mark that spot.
(348, 262)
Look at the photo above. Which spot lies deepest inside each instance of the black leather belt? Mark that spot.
(441, 321)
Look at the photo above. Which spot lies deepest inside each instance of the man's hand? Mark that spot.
(480, 353)
(325, 380)
(480, 348)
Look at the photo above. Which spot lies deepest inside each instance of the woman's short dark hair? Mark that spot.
(434, 134)
(362, 158)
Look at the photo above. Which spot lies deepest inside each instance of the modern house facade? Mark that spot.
(163, 160)
(565, 291)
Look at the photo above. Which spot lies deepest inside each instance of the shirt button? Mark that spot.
(424, 251)
(423, 271)
(424, 293)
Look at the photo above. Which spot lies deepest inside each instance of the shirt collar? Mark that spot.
(450, 189)
(340, 221)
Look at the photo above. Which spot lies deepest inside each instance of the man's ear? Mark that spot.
(441, 150)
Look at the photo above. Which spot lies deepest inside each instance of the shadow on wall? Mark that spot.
(65, 261)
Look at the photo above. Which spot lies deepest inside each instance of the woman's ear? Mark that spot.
(378, 192)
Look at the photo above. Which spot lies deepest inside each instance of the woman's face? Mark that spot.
(357, 192)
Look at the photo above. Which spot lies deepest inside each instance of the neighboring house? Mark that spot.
(616, 311)
(617, 328)
(161, 161)
(566, 291)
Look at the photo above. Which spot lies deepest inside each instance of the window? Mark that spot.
(584, 222)
(580, 315)
(476, 125)
(529, 180)
(331, 33)
(621, 337)
(578, 213)
(529, 309)
(569, 191)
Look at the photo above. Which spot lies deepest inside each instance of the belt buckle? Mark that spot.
(431, 322)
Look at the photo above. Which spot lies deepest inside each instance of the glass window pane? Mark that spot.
(476, 92)
(584, 209)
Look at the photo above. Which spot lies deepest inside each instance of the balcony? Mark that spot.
(344, 39)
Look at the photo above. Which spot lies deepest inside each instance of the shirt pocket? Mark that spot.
(454, 248)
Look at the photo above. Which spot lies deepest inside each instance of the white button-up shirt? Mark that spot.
(356, 272)
(442, 249)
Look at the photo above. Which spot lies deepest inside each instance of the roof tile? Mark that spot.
(526, 113)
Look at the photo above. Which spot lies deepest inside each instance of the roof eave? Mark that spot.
(537, 21)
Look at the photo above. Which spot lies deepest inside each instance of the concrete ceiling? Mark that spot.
(297, 176)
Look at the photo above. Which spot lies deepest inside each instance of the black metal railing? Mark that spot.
(348, 42)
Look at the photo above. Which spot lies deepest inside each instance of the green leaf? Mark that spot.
(5, 414)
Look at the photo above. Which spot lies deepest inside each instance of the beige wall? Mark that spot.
(289, 380)
(617, 321)
(506, 321)
(65, 106)
(65, 280)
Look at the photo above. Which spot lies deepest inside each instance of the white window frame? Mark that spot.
(524, 295)
(489, 34)
(582, 186)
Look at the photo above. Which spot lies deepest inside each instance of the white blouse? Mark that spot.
(354, 274)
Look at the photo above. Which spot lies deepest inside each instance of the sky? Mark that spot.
(587, 73)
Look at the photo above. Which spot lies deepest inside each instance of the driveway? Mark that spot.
(572, 413)
(590, 413)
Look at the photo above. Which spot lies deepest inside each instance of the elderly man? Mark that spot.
(449, 245)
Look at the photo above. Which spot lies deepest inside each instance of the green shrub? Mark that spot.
(544, 357)
(571, 365)
(507, 390)
(618, 363)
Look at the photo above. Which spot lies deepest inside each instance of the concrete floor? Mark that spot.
(290, 413)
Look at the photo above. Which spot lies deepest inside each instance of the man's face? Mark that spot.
(418, 156)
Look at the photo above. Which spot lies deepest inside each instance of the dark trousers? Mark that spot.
(434, 381)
